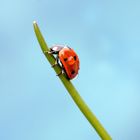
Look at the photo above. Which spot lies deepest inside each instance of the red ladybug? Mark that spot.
(68, 58)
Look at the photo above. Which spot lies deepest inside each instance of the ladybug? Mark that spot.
(68, 59)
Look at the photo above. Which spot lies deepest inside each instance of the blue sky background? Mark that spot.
(34, 105)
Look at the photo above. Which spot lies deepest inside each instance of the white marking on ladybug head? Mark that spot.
(55, 48)
(65, 46)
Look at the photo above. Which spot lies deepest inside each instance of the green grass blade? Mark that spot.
(71, 89)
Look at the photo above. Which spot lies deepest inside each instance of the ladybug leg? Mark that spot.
(56, 62)
(53, 65)
(48, 52)
(60, 73)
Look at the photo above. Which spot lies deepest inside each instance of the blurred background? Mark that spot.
(34, 105)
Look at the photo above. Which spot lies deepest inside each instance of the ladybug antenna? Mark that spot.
(66, 46)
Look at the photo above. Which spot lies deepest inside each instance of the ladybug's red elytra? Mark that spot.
(68, 59)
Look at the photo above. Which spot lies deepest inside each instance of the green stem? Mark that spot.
(71, 89)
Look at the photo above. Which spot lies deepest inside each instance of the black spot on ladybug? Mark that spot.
(65, 59)
(74, 57)
(73, 72)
